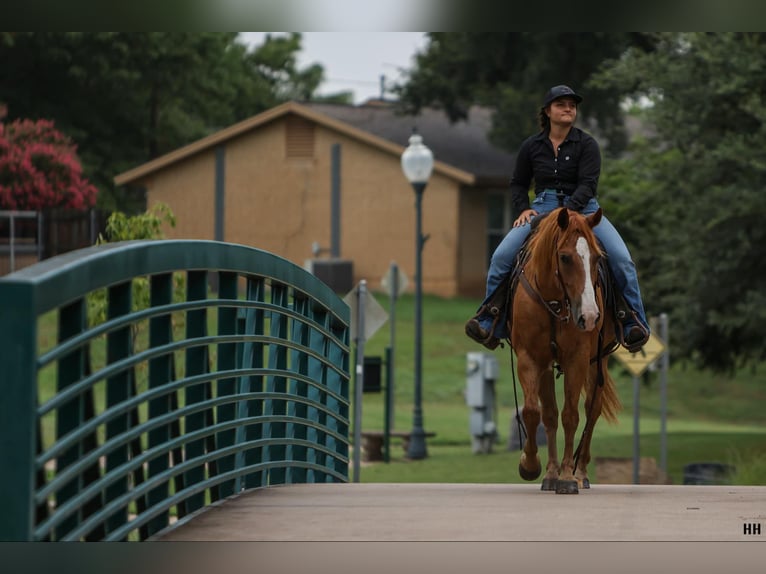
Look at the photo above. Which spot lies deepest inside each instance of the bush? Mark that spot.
(40, 169)
(120, 227)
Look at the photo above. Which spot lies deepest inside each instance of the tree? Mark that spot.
(692, 190)
(510, 72)
(127, 97)
(39, 169)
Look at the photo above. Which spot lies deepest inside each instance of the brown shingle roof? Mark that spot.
(464, 145)
(461, 151)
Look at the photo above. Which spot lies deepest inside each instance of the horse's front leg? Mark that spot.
(529, 463)
(551, 422)
(529, 377)
(574, 378)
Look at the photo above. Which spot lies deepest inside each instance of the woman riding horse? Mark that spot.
(565, 164)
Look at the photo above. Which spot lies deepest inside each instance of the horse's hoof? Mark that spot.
(549, 484)
(566, 487)
(529, 474)
(585, 483)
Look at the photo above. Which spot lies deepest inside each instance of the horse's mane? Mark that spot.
(545, 240)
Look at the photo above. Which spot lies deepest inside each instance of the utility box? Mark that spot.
(481, 373)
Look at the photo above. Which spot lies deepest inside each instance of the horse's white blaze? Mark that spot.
(588, 297)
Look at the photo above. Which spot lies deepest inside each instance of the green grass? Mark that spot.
(710, 417)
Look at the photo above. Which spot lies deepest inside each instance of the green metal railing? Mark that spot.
(142, 381)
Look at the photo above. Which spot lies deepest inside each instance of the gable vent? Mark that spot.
(299, 138)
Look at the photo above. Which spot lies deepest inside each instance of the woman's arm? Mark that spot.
(588, 172)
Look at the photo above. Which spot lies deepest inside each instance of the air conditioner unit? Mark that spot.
(337, 273)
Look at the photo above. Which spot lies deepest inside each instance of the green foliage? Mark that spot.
(121, 227)
(750, 471)
(127, 97)
(690, 195)
(511, 71)
(147, 225)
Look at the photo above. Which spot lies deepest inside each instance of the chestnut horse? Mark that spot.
(559, 319)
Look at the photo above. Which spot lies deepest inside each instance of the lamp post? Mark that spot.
(417, 163)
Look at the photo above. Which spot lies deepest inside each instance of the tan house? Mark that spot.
(305, 174)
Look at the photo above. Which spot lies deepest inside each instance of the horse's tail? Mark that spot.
(610, 402)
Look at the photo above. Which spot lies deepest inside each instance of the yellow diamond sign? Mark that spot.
(637, 363)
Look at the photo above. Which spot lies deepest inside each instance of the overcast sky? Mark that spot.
(355, 60)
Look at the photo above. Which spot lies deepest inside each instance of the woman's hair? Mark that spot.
(544, 120)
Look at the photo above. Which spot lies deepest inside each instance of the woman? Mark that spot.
(561, 159)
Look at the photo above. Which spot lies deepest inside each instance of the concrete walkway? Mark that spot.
(482, 512)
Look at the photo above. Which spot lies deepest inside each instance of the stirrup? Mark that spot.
(637, 345)
(634, 346)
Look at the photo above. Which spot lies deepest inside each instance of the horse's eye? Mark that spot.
(566, 259)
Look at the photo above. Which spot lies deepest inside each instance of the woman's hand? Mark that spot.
(525, 217)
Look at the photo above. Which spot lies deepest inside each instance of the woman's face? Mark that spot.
(563, 111)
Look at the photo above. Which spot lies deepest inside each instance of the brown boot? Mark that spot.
(475, 332)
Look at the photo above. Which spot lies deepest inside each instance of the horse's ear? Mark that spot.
(563, 218)
(595, 218)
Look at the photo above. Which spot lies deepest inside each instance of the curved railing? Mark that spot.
(144, 380)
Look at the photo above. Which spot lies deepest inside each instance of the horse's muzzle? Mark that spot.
(588, 321)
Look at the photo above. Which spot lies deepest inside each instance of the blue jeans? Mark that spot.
(622, 266)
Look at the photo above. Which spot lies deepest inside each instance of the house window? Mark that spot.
(299, 138)
(499, 219)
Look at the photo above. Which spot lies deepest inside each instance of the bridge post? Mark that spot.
(18, 411)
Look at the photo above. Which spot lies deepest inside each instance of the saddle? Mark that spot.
(500, 306)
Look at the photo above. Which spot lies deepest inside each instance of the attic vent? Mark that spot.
(299, 138)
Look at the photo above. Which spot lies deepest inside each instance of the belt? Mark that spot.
(560, 194)
(556, 191)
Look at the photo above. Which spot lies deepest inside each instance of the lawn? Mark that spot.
(710, 417)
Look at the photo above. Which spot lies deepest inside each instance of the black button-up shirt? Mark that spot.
(574, 171)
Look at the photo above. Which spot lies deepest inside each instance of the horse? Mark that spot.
(559, 318)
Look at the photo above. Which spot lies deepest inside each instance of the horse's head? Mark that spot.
(564, 254)
(577, 258)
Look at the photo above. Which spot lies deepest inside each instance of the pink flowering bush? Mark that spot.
(39, 169)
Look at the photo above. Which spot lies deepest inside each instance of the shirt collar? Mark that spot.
(573, 135)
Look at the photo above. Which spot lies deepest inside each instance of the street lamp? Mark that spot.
(417, 164)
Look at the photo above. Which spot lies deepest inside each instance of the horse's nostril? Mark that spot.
(581, 322)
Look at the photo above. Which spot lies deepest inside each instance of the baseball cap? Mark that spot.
(561, 91)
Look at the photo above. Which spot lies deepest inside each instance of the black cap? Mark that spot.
(562, 91)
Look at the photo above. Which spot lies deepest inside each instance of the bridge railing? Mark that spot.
(142, 381)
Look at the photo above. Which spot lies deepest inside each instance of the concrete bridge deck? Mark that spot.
(481, 512)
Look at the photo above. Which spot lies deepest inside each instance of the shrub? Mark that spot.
(40, 169)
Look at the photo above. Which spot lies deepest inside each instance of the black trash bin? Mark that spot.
(708, 473)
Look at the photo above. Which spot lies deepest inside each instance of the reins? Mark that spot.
(522, 430)
(554, 309)
(549, 305)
